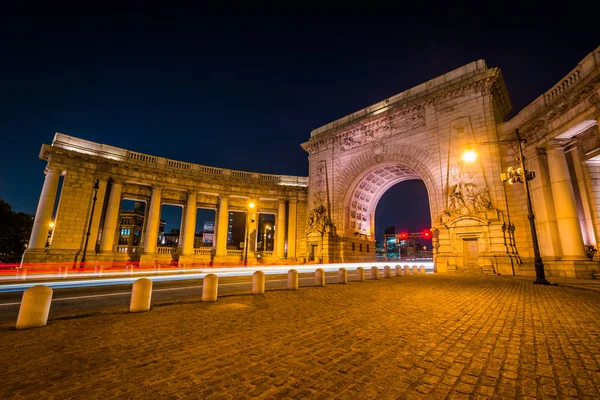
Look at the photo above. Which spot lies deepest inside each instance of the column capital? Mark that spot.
(157, 188)
(224, 196)
(293, 201)
(282, 201)
(556, 144)
(53, 169)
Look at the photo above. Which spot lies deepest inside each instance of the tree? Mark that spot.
(15, 229)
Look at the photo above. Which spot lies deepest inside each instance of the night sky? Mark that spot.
(242, 87)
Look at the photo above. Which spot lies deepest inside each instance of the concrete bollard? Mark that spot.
(141, 295)
(98, 270)
(292, 279)
(210, 286)
(319, 277)
(22, 274)
(156, 269)
(406, 270)
(63, 272)
(360, 274)
(342, 275)
(399, 271)
(415, 270)
(35, 306)
(258, 282)
(387, 273)
(422, 269)
(374, 272)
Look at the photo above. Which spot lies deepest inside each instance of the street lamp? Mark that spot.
(251, 206)
(87, 234)
(267, 228)
(523, 176)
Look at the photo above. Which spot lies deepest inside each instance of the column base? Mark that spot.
(147, 259)
(579, 269)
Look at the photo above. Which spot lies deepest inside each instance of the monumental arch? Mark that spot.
(479, 223)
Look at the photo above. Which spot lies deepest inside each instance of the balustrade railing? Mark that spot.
(88, 147)
(202, 251)
(236, 253)
(167, 250)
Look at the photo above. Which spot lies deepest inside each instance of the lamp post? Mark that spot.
(248, 219)
(87, 234)
(523, 176)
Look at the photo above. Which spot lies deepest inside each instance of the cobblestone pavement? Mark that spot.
(422, 337)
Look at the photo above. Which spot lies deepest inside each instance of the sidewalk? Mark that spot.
(413, 337)
(591, 284)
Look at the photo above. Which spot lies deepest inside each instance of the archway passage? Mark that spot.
(403, 222)
(364, 196)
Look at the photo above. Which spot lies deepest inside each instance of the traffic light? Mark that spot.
(403, 235)
(426, 234)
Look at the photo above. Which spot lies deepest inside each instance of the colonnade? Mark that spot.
(285, 215)
(560, 231)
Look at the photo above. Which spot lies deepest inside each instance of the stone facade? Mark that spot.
(123, 174)
(480, 223)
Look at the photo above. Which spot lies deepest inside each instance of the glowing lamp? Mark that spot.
(403, 235)
(251, 205)
(469, 156)
(427, 234)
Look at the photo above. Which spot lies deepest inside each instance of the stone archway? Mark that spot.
(417, 134)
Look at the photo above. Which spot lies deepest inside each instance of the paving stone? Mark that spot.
(440, 337)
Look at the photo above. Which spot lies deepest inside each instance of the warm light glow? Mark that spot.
(469, 156)
(51, 225)
(251, 205)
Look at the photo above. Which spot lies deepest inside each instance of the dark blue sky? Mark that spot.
(243, 87)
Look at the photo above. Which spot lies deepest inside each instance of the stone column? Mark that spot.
(586, 223)
(252, 222)
(153, 221)
(111, 219)
(222, 226)
(291, 253)
(543, 205)
(280, 230)
(564, 204)
(97, 215)
(189, 231)
(45, 208)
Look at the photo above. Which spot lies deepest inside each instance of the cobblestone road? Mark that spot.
(423, 337)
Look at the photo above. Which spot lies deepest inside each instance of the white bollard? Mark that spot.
(342, 275)
(406, 270)
(35, 306)
(415, 270)
(22, 274)
(422, 269)
(141, 295)
(63, 272)
(210, 287)
(360, 274)
(98, 269)
(399, 271)
(319, 277)
(374, 272)
(387, 272)
(258, 282)
(156, 269)
(292, 279)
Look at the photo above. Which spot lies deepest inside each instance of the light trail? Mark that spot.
(184, 274)
(153, 290)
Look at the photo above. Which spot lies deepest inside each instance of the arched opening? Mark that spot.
(407, 193)
(403, 222)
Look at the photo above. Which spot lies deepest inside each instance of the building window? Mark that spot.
(353, 247)
(360, 247)
(367, 248)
